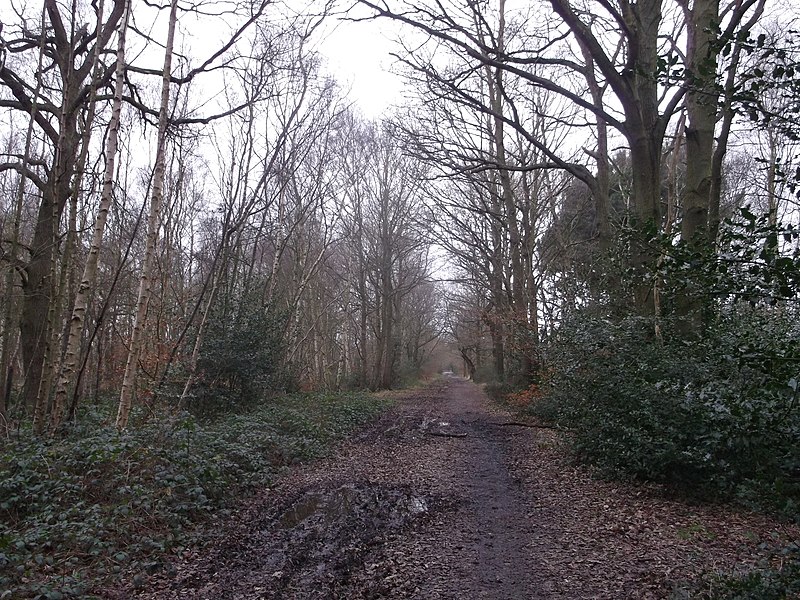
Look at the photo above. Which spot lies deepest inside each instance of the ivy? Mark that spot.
(100, 503)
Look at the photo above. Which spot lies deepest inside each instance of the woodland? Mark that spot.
(590, 206)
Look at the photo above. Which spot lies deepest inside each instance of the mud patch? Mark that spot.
(383, 508)
(326, 535)
(319, 542)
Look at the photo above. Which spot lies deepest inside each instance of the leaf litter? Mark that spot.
(434, 501)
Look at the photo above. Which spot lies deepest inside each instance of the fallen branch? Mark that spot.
(521, 424)
(445, 434)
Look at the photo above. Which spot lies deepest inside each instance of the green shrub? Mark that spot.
(716, 417)
(242, 357)
(777, 578)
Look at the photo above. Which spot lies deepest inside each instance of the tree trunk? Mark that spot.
(701, 110)
(494, 318)
(646, 168)
(145, 283)
(385, 362)
(41, 406)
(469, 366)
(72, 354)
(37, 294)
(519, 317)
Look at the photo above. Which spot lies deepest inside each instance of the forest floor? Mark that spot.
(448, 496)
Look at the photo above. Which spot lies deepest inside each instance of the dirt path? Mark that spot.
(442, 499)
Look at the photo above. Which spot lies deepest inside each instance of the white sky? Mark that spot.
(358, 56)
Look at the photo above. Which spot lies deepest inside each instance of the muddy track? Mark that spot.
(419, 505)
(441, 499)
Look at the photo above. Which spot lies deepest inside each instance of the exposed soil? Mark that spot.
(443, 497)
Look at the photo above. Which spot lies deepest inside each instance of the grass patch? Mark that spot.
(78, 510)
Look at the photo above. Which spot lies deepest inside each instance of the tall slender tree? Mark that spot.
(153, 225)
(69, 46)
(66, 377)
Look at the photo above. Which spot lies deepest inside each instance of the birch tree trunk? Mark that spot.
(145, 282)
(68, 369)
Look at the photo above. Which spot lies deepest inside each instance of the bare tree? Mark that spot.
(58, 107)
(627, 48)
(88, 280)
(145, 284)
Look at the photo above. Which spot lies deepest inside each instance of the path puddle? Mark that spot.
(329, 507)
(418, 505)
(304, 508)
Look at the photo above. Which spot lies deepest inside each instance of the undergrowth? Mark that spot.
(713, 419)
(78, 510)
(776, 577)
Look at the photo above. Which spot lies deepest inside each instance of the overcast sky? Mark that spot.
(358, 56)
